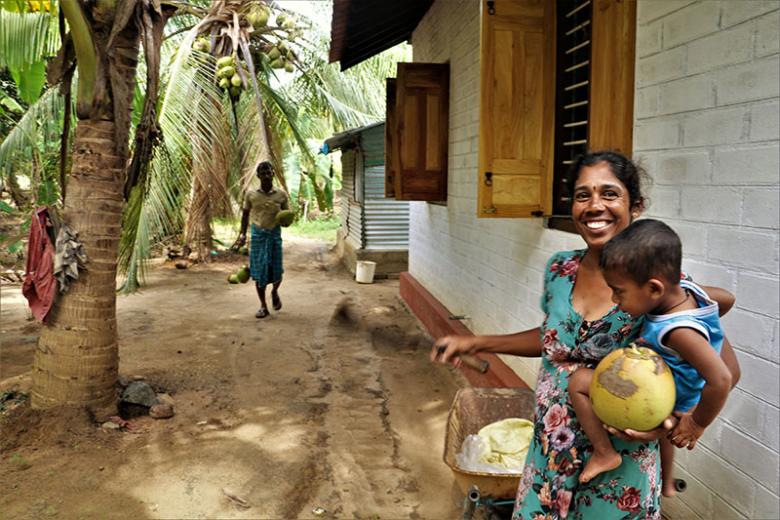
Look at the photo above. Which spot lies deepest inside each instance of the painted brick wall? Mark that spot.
(707, 131)
(487, 269)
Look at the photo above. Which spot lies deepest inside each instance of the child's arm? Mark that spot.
(724, 298)
(697, 351)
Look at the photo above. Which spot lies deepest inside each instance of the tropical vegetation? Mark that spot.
(131, 148)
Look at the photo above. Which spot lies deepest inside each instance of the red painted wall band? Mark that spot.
(435, 318)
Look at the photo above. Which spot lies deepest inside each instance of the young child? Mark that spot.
(642, 267)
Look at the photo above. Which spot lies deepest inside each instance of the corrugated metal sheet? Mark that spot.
(355, 225)
(372, 141)
(386, 220)
(376, 223)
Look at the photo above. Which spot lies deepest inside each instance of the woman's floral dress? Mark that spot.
(549, 488)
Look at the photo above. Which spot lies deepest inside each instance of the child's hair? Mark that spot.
(265, 165)
(647, 248)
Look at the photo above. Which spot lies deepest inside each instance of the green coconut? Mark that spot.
(226, 72)
(233, 278)
(274, 53)
(277, 64)
(225, 61)
(285, 217)
(224, 83)
(243, 274)
(235, 91)
(236, 80)
(243, 250)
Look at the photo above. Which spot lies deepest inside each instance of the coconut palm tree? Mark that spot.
(76, 360)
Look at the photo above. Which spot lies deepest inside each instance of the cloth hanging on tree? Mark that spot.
(69, 257)
(40, 286)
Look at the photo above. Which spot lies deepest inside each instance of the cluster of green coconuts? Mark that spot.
(228, 77)
(240, 276)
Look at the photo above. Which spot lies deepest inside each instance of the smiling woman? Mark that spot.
(581, 326)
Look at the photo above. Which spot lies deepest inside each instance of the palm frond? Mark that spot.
(27, 38)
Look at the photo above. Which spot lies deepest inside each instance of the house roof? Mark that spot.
(346, 139)
(362, 28)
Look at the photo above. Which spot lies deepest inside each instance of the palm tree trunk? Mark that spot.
(197, 230)
(76, 362)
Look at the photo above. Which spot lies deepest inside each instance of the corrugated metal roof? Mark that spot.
(350, 137)
(362, 28)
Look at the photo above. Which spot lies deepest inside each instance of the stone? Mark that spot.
(161, 411)
(139, 392)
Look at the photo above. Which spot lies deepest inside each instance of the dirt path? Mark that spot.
(291, 413)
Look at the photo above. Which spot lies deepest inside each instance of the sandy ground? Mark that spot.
(290, 413)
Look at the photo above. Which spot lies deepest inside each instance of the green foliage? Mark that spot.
(322, 229)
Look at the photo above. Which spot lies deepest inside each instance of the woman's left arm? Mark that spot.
(723, 297)
(725, 301)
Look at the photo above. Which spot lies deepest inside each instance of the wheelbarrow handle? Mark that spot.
(473, 362)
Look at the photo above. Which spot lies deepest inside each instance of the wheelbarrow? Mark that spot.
(472, 409)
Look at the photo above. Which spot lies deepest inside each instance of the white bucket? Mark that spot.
(365, 271)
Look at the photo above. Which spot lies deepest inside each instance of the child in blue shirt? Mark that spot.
(642, 266)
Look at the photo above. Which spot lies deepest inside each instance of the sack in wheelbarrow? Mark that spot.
(471, 410)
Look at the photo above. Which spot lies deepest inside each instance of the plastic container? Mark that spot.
(365, 271)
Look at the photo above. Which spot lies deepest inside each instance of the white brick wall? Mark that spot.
(714, 69)
(707, 131)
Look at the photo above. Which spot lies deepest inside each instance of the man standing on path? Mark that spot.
(265, 246)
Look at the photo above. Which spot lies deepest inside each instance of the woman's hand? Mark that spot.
(449, 348)
(652, 435)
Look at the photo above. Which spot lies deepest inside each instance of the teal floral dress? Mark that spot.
(549, 488)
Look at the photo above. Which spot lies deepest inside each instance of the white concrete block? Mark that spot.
(721, 49)
(683, 168)
(759, 293)
(766, 505)
(708, 274)
(677, 509)
(697, 496)
(747, 165)
(751, 250)
(656, 134)
(771, 430)
(693, 238)
(690, 23)
(646, 102)
(660, 67)
(723, 510)
(749, 332)
(664, 202)
(724, 479)
(768, 35)
(649, 10)
(764, 122)
(759, 378)
(744, 411)
(749, 82)
(712, 127)
(684, 95)
(720, 205)
(752, 457)
(734, 12)
(648, 38)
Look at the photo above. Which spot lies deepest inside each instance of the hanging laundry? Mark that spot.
(40, 286)
(68, 258)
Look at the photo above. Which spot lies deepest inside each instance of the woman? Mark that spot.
(581, 326)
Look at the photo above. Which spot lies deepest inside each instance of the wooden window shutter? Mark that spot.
(391, 144)
(420, 131)
(612, 76)
(517, 108)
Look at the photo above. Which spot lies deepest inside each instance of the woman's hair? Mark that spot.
(646, 249)
(628, 172)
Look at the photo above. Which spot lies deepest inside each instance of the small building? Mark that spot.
(373, 227)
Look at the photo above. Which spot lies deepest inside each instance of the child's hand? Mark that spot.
(686, 433)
